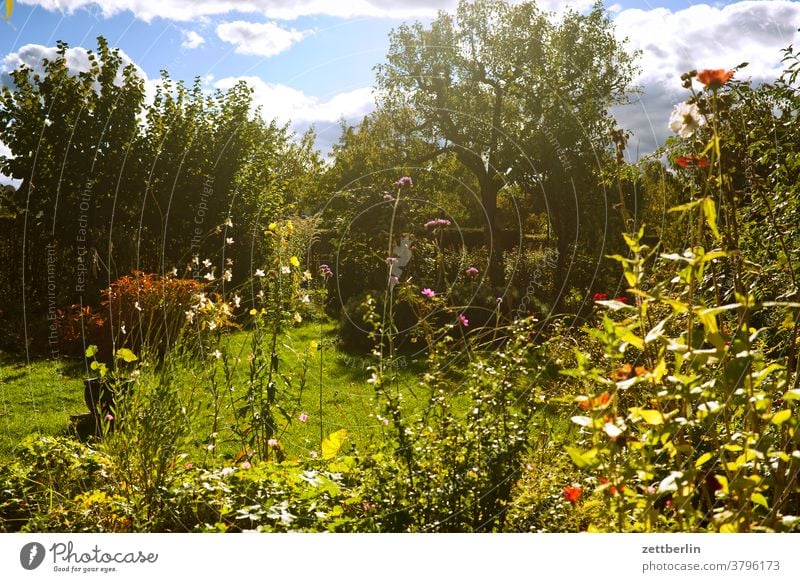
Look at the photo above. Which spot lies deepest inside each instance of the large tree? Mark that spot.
(518, 96)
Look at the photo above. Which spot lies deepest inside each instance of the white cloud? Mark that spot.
(191, 40)
(77, 61)
(288, 104)
(265, 39)
(699, 37)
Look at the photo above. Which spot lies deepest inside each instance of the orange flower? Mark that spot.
(597, 402)
(572, 493)
(613, 489)
(714, 78)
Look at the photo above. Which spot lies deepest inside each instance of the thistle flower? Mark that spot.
(437, 223)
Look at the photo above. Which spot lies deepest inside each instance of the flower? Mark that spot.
(463, 320)
(613, 488)
(228, 222)
(429, 293)
(206, 263)
(217, 354)
(229, 240)
(686, 119)
(109, 417)
(174, 271)
(714, 78)
(472, 272)
(208, 276)
(621, 299)
(227, 275)
(226, 471)
(437, 223)
(391, 260)
(237, 301)
(313, 454)
(598, 402)
(245, 465)
(285, 270)
(404, 182)
(325, 271)
(272, 442)
(294, 261)
(600, 297)
(189, 316)
(259, 272)
(303, 417)
(388, 196)
(572, 493)
(691, 161)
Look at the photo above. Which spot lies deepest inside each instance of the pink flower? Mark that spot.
(463, 320)
(303, 417)
(429, 293)
(109, 417)
(472, 272)
(246, 465)
(272, 443)
(404, 182)
(388, 197)
(313, 454)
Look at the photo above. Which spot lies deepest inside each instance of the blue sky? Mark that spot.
(311, 61)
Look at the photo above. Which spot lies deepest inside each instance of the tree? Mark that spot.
(516, 97)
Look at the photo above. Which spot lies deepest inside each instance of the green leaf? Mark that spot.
(126, 355)
(781, 416)
(91, 351)
(792, 394)
(581, 460)
(759, 499)
(332, 443)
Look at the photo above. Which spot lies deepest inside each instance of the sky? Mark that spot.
(311, 61)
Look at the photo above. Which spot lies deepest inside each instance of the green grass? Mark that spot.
(37, 397)
(42, 396)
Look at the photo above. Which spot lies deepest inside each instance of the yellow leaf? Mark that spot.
(759, 499)
(781, 416)
(702, 460)
(332, 443)
(126, 355)
(651, 416)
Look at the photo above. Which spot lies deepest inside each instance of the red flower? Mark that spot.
(621, 299)
(714, 78)
(613, 489)
(572, 493)
(691, 162)
(600, 297)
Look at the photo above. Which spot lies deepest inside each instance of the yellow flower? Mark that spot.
(289, 227)
(272, 226)
(294, 261)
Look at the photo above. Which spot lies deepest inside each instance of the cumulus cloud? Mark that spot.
(699, 37)
(191, 40)
(32, 55)
(264, 39)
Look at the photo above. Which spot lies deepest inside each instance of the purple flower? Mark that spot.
(404, 182)
(463, 320)
(472, 272)
(391, 260)
(437, 223)
(303, 417)
(429, 293)
(325, 271)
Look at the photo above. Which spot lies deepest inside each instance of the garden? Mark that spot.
(477, 316)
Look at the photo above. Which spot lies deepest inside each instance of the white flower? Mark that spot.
(196, 260)
(228, 275)
(174, 271)
(208, 276)
(189, 316)
(123, 329)
(285, 270)
(229, 240)
(237, 300)
(260, 294)
(686, 119)
(305, 298)
(259, 272)
(206, 263)
(226, 471)
(228, 222)
(229, 262)
(217, 354)
(137, 306)
(212, 325)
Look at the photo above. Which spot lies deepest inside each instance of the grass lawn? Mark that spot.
(41, 396)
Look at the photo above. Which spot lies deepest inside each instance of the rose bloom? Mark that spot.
(714, 78)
